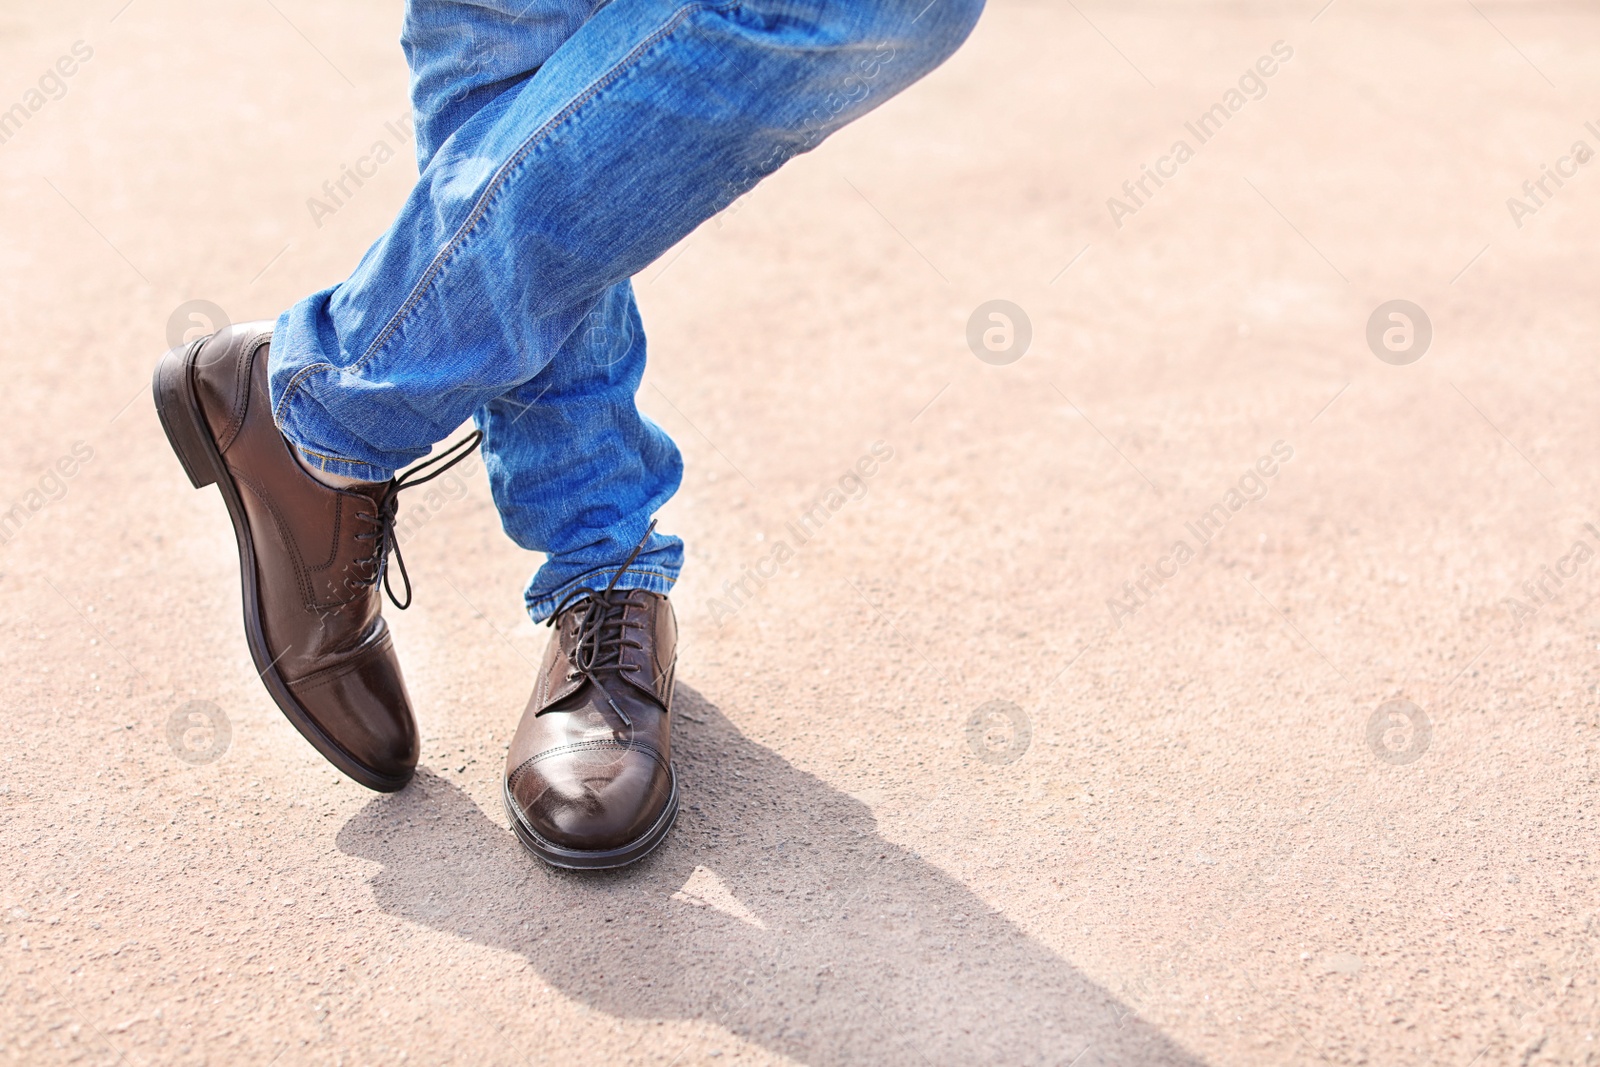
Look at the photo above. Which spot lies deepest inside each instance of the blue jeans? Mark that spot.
(564, 145)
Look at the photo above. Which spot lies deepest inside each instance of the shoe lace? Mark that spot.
(383, 535)
(604, 630)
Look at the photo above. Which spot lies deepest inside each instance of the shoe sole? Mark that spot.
(190, 437)
(574, 859)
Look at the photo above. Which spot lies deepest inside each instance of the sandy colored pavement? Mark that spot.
(1195, 829)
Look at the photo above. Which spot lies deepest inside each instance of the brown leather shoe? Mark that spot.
(589, 781)
(311, 558)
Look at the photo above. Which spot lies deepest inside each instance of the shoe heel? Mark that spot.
(181, 419)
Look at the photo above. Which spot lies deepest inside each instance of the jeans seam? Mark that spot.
(336, 459)
(501, 176)
(292, 387)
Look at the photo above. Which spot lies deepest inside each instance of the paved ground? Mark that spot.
(1195, 829)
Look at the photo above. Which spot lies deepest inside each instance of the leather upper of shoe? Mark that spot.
(318, 562)
(590, 765)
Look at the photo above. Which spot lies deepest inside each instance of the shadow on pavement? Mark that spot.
(774, 910)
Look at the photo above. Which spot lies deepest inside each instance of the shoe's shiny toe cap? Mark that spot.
(363, 708)
(593, 795)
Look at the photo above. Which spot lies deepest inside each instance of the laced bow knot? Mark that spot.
(383, 536)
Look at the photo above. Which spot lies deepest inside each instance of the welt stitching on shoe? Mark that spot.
(300, 569)
(610, 742)
(527, 764)
(511, 779)
(481, 207)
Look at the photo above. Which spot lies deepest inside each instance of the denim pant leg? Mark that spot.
(464, 53)
(576, 471)
(651, 117)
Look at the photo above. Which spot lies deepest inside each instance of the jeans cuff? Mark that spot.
(542, 607)
(347, 468)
